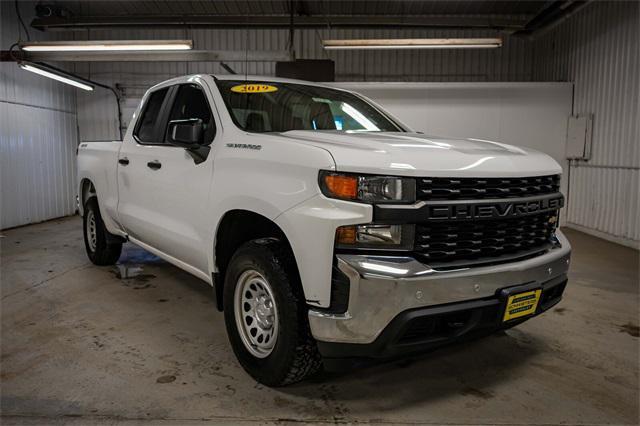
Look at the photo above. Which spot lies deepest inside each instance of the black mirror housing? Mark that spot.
(187, 132)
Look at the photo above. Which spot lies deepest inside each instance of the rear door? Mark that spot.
(163, 192)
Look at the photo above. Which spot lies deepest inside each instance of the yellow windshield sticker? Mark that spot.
(253, 88)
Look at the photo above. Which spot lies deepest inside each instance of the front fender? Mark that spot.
(310, 227)
(269, 181)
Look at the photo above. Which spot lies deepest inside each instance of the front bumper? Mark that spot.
(387, 293)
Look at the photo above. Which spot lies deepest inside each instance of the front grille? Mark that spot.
(454, 243)
(483, 188)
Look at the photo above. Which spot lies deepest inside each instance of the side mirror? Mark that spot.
(185, 133)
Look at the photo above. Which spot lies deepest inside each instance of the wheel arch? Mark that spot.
(235, 228)
(86, 189)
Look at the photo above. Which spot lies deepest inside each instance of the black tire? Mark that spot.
(107, 249)
(294, 355)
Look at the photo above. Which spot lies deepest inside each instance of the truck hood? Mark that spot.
(414, 154)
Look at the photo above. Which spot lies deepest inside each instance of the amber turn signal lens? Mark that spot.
(346, 235)
(342, 186)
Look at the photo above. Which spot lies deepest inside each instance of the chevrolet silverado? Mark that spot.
(327, 228)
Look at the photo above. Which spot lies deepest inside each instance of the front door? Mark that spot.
(163, 190)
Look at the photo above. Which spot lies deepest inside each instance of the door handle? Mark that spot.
(155, 164)
(124, 161)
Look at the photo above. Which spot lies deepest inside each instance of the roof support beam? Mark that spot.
(284, 21)
(550, 16)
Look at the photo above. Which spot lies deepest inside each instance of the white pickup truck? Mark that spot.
(327, 228)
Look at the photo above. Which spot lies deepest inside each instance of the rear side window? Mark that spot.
(146, 131)
(191, 102)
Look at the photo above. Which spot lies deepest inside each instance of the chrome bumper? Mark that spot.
(381, 287)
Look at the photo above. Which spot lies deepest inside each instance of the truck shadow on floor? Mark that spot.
(470, 369)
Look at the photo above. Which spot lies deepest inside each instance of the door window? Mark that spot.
(190, 102)
(146, 129)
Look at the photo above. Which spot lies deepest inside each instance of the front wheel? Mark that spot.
(266, 315)
(101, 249)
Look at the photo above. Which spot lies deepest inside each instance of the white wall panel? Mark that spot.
(37, 164)
(38, 137)
(598, 49)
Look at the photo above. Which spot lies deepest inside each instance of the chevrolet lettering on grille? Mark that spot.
(493, 210)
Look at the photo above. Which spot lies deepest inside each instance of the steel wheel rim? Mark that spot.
(92, 235)
(256, 313)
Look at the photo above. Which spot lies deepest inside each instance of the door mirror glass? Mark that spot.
(187, 132)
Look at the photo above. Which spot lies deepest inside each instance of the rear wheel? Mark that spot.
(266, 315)
(102, 247)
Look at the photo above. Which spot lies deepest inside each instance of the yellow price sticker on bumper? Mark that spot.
(522, 304)
(254, 88)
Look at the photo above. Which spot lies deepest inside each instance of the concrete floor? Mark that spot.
(81, 345)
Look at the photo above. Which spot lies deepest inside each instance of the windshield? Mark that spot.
(259, 106)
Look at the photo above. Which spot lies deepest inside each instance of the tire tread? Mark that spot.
(106, 253)
(304, 360)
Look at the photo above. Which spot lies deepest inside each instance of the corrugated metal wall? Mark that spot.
(512, 62)
(598, 49)
(38, 139)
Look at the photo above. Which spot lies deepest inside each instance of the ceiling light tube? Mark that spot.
(56, 74)
(414, 43)
(107, 45)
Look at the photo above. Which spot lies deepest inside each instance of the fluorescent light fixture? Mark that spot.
(56, 74)
(107, 45)
(414, 43)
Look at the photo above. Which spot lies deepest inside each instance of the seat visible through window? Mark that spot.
(255, 122)
(321, 117)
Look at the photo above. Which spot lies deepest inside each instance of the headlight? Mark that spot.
(375, 236)
(368, 188)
